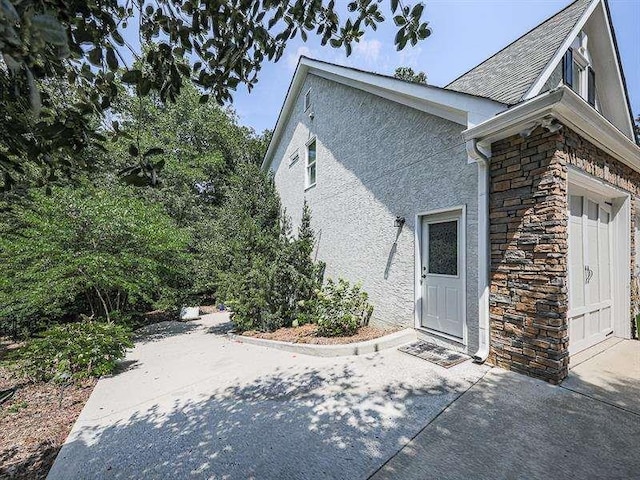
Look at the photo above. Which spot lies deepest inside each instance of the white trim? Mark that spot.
(307, 100)
(621, 85)
(569, 108)
(459, 213)
(582, 179)
(538, 85)
(455, 106)
(308, 185)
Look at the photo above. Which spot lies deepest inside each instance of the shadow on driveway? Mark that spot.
(513, 427)
(312, 424)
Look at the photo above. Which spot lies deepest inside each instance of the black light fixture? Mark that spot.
(399, 221)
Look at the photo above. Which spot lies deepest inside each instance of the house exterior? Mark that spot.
(496, 215)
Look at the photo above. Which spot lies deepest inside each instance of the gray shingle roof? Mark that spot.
(508, 75)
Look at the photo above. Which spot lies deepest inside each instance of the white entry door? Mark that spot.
(590, 253)
(442, 303)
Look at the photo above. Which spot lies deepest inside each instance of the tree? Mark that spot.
(98, 252)
(82, 43)
(407, 73)
(636, 129)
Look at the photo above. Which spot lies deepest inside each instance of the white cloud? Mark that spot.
(368, 50)
(292, 58)
(410, 56)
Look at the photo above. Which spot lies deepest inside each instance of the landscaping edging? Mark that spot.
(339, 350)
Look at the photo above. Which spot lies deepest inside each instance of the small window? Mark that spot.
(311, 164)
(294, 158)
(567, 68)
(307, 100)
(591, 87)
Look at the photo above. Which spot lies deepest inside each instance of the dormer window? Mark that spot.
(577, 72)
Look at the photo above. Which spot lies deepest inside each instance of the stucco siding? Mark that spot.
(376, 159)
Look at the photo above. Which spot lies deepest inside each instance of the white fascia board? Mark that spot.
(461, 108)
(289, 100)
(616, 58)
(569, 109)
(421, 94)
(535, 88)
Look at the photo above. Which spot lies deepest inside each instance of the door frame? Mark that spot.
(620, 242)
(458, 212)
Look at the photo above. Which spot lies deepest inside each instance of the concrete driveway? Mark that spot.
(511, 426)
(192, 404)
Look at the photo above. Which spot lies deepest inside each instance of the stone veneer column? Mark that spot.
(528, 235)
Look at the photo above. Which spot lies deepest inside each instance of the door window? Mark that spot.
(443, 248)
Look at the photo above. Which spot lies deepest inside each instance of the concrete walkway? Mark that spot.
(192, 404)
(511, 426)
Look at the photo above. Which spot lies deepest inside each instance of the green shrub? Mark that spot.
(253, 262)
(86, 251)
(74, 351)
(342, 309)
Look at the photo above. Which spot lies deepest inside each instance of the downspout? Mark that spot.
(483, 249)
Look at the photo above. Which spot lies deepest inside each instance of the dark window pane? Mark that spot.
(443, 248)
(312, 152)
(567, 68)
(312, 174)
(591, 94)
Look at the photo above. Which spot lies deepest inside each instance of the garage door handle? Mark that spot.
(589, 274)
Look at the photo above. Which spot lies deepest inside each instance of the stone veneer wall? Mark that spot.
(528, 227)
(528, 235)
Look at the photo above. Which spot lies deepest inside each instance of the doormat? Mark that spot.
(434, 353)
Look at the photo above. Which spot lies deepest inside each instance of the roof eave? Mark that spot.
(455, 106)
(292, 92)
(569, 109)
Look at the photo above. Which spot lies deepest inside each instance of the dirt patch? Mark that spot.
(309, 334)
(34, 422)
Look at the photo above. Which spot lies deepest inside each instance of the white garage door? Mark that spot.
(590, 274)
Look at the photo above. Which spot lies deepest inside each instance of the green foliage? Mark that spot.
(201, 145)
(252, 261)
(81, 43)
(342, 309)
(86, 251)
(407, 73)
(74, 351)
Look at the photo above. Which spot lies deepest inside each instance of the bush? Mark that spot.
(256, 267)
(86, 251)
(75, 351)
(342, 309)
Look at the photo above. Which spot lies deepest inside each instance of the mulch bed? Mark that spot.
(309, 334)
(35, 422)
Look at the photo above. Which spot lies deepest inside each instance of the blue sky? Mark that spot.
(465, 32)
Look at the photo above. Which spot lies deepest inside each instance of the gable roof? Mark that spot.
(459, 107)
(508, 75)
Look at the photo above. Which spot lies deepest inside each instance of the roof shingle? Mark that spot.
(507, 76)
